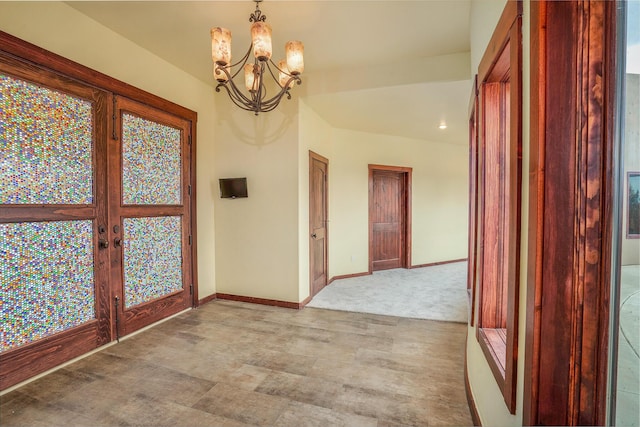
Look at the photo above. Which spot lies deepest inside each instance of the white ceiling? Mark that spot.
(338, 35)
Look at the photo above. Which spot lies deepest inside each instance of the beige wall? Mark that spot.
(315, 135)
(482, 20)
(257, 237)
(61, 29)
(439, 197)
(490, 404)
(439, 200)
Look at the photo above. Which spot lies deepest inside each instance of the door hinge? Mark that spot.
(114, 135)
(189, 190)
(191, 289)
(189, 239)
(189, 139)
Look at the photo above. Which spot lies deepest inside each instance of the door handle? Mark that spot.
(103, 243)
(314, 235)
(117, 242)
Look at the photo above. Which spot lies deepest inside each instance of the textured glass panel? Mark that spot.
(46, 275)
(46, 145)
(152, 258)
(151, 166)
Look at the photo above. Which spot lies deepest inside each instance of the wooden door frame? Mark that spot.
(571, 177)
(315, 156)
(406, 171)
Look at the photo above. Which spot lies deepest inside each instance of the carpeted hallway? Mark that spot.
(236, 364)
(436, 292)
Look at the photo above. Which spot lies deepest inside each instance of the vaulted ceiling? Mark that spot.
(393, 67)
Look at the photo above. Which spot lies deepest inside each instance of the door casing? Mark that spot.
(406, 247)
(318, 232)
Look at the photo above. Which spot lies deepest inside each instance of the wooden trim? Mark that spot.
(252, 300)
(515, 211)
(407, 172)
(207, 299)
(473, 409)
(537, 155)
(499, 39)
(194, 211)
(304, 302)
(432, 264)
(261, 301)
(499, 188)
(348, 276)
(317, 157)
(390, 168)
(24, 362)
(570, 235)
(472, 252)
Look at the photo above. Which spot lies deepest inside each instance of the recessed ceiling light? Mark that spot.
(442, 126)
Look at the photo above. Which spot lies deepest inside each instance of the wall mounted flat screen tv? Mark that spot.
(233, 188)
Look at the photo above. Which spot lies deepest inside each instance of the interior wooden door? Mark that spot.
(53, 263)
(318, 170)
(388, 218)
(149, 211)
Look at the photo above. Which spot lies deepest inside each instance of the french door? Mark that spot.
(149, 215)
(95, 217)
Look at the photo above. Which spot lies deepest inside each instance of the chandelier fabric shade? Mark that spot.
(256, 69)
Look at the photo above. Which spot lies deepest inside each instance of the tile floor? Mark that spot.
(235, 364)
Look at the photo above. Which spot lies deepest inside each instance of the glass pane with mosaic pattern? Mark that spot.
(152, 258)
(46, 154)
(46, 279)
(151, 162)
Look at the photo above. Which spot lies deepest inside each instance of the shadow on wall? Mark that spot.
(260, 130)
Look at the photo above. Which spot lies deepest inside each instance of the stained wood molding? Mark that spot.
(207, 299)
(348, 276)
(432, 264)
(570, 212)
(262, 301)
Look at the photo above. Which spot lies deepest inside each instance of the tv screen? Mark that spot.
(233, 188)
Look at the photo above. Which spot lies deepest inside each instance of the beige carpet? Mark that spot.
(435, 293)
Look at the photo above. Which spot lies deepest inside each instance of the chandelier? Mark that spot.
(255, 98)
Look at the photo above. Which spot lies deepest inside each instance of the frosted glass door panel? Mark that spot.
(46, 149)
(152, 258)
(46, 279)
(151, 162)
